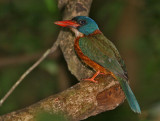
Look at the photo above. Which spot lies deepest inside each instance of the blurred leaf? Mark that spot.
(50, 66)
(51, 5)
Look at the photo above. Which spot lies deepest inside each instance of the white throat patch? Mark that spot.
(77, 33)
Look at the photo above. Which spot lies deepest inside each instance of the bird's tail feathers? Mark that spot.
(129, 95)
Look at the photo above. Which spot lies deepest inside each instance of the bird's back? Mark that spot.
(102, 51)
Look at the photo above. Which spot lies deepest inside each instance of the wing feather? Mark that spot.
(99, 49)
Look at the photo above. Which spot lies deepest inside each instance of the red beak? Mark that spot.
(67, 23)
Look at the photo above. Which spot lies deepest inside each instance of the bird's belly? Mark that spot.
(87, 60)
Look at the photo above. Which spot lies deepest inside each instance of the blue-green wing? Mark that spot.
(99, 49)
(102, 51)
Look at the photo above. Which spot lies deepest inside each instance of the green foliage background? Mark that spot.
(26, 28)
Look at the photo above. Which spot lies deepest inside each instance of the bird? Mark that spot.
(99, 53)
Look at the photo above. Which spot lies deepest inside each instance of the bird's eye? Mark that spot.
(82, 22)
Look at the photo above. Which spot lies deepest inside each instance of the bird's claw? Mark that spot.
(102, 73)
(91, 79)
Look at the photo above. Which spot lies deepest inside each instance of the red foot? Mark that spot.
(102, 73)
(94, 76)
(92, 80)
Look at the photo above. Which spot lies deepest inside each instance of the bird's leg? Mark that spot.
(110, 73)
(93, 77)
(113, 76)
(102, 73)
(97, 73)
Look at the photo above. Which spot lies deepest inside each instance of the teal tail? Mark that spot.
(129, 95)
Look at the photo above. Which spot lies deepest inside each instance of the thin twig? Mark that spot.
(49, 51)
(22, 59)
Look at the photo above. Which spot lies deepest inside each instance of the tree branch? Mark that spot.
(74, 8)
(78, 102)
(22, 59)
(49, 51)
(85, 98)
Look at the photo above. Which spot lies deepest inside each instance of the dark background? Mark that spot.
(27, 30)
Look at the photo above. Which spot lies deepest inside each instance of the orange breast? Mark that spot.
(87, 60)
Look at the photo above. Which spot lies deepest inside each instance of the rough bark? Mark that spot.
(74, 8)
(83, 99)
(78, 102)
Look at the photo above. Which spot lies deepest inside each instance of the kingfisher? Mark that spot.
(99, 53)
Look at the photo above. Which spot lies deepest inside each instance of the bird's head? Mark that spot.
(80, 25)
